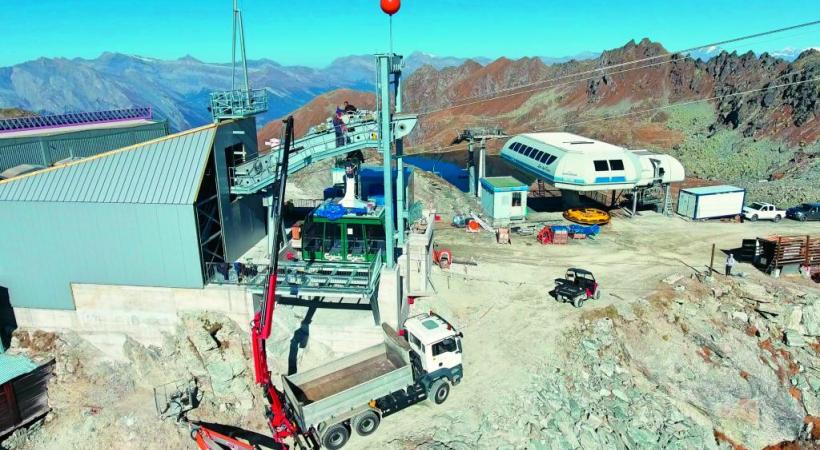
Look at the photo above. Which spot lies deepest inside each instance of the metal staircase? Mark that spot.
(667, 202)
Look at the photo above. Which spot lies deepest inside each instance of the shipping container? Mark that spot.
(711, 202)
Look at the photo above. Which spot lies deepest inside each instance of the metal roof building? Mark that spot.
(151, 214)
(45, 140)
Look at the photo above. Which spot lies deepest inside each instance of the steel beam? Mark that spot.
(385, 63)
(400, 198)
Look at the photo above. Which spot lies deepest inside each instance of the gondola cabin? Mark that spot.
(572, 162)
(355, 236)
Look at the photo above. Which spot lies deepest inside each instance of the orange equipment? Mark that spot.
(442, 257)
(587, 216)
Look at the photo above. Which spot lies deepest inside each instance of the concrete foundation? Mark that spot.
(106, 315)
(389, 296)
(419, 260)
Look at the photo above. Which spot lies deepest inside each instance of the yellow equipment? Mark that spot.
(587, 216)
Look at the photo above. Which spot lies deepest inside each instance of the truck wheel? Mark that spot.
(366, 423)
(803, 218)
(777, 218)
(597, 294)
(576, 302)
(754, 218)
(440, 390)
(336, 437)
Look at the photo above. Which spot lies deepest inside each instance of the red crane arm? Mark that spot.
(280, 424)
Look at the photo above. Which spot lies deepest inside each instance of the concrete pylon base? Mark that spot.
(390, 297)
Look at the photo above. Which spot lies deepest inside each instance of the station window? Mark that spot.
(516, 199)
(616, 164)
(601, 165)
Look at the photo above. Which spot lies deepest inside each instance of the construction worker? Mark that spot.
(349, 108)
(730, 263)
(339, 128)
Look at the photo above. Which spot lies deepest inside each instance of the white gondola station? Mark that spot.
(576, 163)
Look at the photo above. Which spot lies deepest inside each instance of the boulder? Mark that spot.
(811, 319)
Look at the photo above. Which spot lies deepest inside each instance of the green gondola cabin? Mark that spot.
(352, 237)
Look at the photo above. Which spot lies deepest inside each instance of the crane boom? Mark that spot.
(280, 424)
(282, 427)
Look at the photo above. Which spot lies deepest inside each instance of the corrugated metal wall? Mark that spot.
(49, 245)
(46, 150)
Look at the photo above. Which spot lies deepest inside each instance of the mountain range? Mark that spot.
(178, 90)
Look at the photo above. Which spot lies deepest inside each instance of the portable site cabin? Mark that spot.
(504, 199)
(711, 202)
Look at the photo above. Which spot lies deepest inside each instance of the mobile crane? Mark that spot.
(321, 406)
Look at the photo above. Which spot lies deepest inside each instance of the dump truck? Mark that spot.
(355, 392)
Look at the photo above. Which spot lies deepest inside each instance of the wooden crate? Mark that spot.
(779, 251)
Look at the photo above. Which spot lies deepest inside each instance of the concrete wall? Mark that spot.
(243, 219)
(49, 245)
(105, 315)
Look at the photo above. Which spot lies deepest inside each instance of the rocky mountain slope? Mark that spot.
(769, 135)
(537, 96)
(317, 111)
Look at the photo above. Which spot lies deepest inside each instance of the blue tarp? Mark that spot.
(591, 230)
(332, 211)
(335, 211)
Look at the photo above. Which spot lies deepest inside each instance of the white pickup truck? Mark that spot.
(765, 211)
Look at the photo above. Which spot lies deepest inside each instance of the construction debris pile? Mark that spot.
(703, 363)
(99, 403)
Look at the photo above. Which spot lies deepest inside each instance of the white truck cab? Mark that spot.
(436, 353)
(762, 211)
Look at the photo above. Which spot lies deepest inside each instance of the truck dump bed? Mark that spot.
(348, 377)
(336, 388)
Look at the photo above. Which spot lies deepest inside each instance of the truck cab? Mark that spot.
(435, 353)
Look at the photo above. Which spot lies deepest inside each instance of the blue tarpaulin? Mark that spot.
(591, 230)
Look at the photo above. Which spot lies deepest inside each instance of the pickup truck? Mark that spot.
(355, 392)
(765, 211)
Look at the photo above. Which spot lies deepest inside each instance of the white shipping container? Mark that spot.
(710, 202)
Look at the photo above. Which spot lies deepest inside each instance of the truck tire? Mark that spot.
(576, 302)
(777, 218)
(803, 218)
(335, 437)
(439, 391)
(754, 218)
(597, 294)
(366, 423)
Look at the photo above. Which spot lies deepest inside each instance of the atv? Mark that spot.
(577, 286)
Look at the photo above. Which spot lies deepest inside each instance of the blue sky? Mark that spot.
(314, 33)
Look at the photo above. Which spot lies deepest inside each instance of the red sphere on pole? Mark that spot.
(391, 6)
